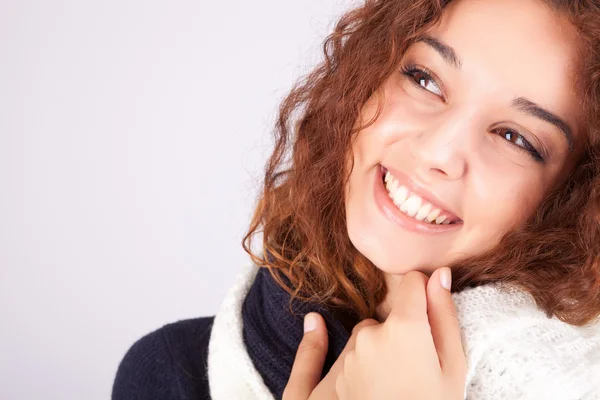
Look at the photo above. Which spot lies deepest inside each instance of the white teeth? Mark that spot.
(412, 205)
(423, 212)
(400, 196)
(434, 214)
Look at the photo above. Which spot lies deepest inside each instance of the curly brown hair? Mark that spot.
(555, 255)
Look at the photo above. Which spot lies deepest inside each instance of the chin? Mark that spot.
(396, 261)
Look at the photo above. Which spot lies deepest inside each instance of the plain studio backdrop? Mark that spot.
(132, 140)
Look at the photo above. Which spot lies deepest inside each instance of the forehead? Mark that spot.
(511, 48)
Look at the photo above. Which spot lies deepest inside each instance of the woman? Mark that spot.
(460, 134)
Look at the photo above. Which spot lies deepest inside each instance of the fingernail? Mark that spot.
(446, 278)
(310, 322)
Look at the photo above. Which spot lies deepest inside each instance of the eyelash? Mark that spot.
(411, 70)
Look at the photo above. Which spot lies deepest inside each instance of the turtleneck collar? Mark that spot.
(272, 333)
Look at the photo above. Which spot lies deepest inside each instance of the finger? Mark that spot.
(444, 323)
(310, 356)
(410, 299)
(339, 363)
(326, 389)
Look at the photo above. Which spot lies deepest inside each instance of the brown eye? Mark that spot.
(512, 136)
(520, 142)
(422, 79)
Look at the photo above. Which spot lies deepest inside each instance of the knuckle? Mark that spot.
(395, 321)
(349, 360)
(362, 335)
(362, 324)
(451, 312)
(364, 339)
(405, 323)
(309, 345)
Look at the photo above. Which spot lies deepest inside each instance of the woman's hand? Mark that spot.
(304, 380)
(416, 353)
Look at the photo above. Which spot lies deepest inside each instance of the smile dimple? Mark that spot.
(413, 205)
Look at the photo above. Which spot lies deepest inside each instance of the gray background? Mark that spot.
(132, 137)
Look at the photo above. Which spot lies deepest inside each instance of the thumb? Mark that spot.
(310, 356)
(443, 320)
(327, 387)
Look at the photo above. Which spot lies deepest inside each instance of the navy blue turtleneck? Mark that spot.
(272, 333)
(171, 362)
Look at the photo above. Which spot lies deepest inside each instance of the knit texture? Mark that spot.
(272, 334)
(169, 363)
(513, 350)
(231, 373)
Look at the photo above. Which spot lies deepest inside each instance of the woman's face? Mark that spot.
(480, 140)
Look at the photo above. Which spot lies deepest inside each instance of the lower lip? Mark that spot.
(392, 213)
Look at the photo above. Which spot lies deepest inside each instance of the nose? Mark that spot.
(440, 149)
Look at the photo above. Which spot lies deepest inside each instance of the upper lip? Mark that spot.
(425, 194)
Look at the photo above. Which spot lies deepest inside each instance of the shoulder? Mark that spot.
(168, 363)
(515, 351)
(545, 359)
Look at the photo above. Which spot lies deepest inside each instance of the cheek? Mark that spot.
(504, 199)
(396, 121)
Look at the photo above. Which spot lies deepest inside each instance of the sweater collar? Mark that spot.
(272, 333)
(503, 333)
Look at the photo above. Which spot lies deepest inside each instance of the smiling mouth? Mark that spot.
(414, 205)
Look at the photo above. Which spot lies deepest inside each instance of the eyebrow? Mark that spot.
(529, 107)
(447, 52)
(520, 103)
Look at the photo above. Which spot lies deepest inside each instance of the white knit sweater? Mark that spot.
(513, 350)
